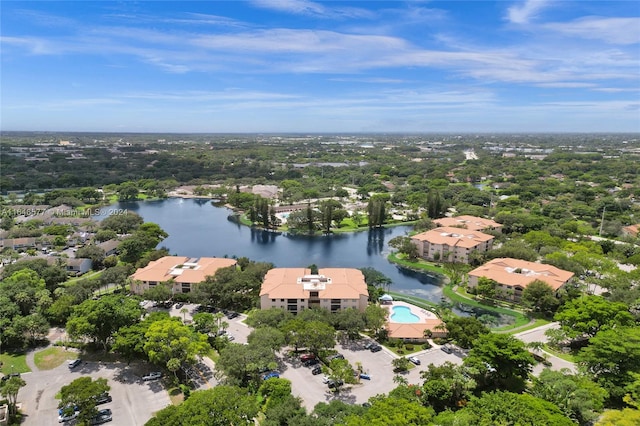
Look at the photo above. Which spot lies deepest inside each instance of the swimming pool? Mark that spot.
(403, 314)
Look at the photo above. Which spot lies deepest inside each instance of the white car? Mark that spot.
(414, 360)
(62, 418)
(325, 379)
(155, 375)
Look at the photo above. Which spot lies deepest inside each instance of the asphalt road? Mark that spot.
(134, 401)
(537, 335)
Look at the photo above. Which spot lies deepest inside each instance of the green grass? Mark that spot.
(520, 318)
(421, 265)
(52, 357)
(534, 324)
(562, 355)
(14, 363)
(87, 276)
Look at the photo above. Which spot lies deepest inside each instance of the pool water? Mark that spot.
(403, 314)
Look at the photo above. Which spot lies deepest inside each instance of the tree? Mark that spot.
(578, 397)
(587, 315)
(241, 364)
(499, 361)
(506, 408)
(89, 318)
(219, 406)
(405, 246)
(122, 223)
(317, 335)
(610, 359)
(170, 339)
(400, 364)
(464, 330)
(446, 386)
(82, 393)
(624, 417)
(340, 371)
(375, 317)
(269, 337)
(9, 390)
(351, 321)
(386, 411)
(540, 297)
(274, 317)
(160, 292)
(487, 287)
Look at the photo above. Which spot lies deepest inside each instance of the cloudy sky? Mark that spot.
(312, 66)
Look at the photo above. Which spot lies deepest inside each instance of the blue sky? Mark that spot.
(306, 66)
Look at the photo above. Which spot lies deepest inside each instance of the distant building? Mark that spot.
(18, 243)
(185, 272)
(79, 266)
(450, 244)
(296, 289)
(514, 275)
(110, 247)
(472, 223)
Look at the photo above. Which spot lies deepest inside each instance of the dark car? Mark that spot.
(103, 398)
(8, 376)
(375, 348)
(232, 315)
(311, 362)
(333, 384)
(316, 370)
(103, 416)
(336, 356)
(178, 305)
(369, 344)
(271, 375)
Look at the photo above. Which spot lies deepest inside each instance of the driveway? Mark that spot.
(134, 401)
(537, 335)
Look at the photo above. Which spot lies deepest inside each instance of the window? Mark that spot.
(313, 294)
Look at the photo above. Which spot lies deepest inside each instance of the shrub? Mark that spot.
(426, 345)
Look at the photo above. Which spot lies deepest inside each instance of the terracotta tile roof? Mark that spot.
(454, 237)
(339, 283)
(181, 269)
(472, 223)
(632, 229)
(412, 330)
(503, 271)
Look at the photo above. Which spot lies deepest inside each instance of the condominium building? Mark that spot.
(182, 272)
(451, 244)
(295, 289)
(514, 275)
(472, 223)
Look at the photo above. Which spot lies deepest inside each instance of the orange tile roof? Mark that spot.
(632, 229)
(284, 283)
(472, 223)
(412, 330)
(454, 237)
(192, 271)
(503, 271)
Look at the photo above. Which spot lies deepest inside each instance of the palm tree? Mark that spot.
(184, 311)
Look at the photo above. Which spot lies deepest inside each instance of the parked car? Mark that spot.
(333, 384)
(103, 398)
(8, 376)
(365, 376)
(271, 375)
(103, 416)
(311, 363)
(316, 370)
(154, 375)
(307, 357)
(178, 305)
(232, 315)
(375, 348)
(369, 344)
(64, 415)
(336, 356)
(74, 363)
(446, 349)
(325, 379)
(414, 360)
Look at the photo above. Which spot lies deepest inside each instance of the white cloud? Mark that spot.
(611, 30)
(523, 13)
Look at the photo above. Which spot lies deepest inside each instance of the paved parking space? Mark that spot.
(134, 401)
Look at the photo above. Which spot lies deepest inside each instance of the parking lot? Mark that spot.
(378, 365)
(134, 401)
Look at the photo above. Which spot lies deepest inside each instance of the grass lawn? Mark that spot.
(520, 318)
(14, 363)
(176, 396)
(567, 357)
(420, 265)
(536, 323)
(88, 276)
(52, 357)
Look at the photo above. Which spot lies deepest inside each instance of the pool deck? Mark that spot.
(415, 330)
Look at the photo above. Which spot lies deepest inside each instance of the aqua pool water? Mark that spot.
(403, 314)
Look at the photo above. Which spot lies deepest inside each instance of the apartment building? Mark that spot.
(451, 244)
(472, 223)
(296, 289)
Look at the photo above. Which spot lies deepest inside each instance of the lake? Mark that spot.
(197, 228)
